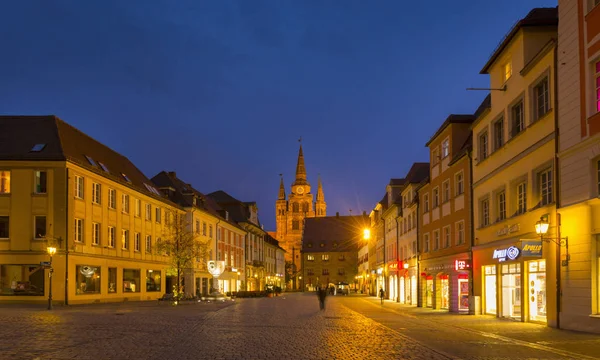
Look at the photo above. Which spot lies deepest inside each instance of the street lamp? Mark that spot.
(541, 228)
(51, 251)
(366, 234)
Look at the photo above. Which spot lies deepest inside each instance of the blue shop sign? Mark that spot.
(531, 248)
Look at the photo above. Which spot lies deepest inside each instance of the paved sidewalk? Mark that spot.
(528, 334)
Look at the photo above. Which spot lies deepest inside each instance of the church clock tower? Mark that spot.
(290, 213)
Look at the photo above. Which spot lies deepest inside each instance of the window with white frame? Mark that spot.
(446, 236)
(446, 191)
(197, 227)
(517, 118)
(460, 232)
(545, 181)
(436, 240)
(597, 80)
(426, 203)
(137, 241)
(157, 216)
(95, 234)
(112, 234)
(541, 98)
(78, 231)
(138, 207)
(445, 148)
(436, 197)
(125, 239)
(325, 257)
(485, 212)
(204, 228)
(522, 198)
(310, 257)
(483, 146)
(41, 182)
(148, 212)
(78, 187)
(210, 231)
(426, 242)
(459, 180)
(148, 243)
(96, 193)
(125, 203)
(498, 134)
(4, 227)
(501, 201)
(112, 199)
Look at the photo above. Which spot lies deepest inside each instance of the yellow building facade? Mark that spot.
(514, 174)
(62, 188)
(579, 159)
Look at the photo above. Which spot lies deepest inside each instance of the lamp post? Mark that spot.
(51, 251)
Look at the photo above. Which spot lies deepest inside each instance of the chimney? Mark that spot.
(364, 213)
(337, 214)
(172, 173)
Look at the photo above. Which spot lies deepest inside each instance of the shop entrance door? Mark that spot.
(511, 291)
(490, 289)
(537, 290)
(413, 290)
(445, 295)
(429, 291)
(463, 292)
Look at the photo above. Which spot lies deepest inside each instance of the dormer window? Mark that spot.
(507, 68)
(90, 160)
(37, 147)
(125, 177)
(445, 148)
(103, 167)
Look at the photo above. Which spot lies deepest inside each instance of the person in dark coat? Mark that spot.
(321, 293)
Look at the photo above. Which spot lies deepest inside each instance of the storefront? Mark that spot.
(393, 287)
(408, 283)
(445, 282)
(514, 280)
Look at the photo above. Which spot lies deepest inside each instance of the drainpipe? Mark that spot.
(398, 260)
(472, 219)
(557, 187)
(67, 237)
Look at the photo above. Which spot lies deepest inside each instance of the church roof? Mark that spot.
(300, 169)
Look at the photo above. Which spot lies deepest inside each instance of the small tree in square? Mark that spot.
(182, 246)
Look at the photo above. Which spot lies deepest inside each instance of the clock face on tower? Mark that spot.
(300, 190)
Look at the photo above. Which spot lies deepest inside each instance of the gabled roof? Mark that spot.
(238, 211)
(184, 193)
(63, 142)
(485, 105)
(396, 182)
(451, 119)
(536, 17)
(417, 173)
(465, 148)
(336, 233)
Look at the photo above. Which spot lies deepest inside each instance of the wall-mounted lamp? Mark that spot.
(541, 228)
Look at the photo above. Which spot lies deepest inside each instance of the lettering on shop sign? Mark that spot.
(511, 253)
(508, 229)
(531, 248)
(461, 265)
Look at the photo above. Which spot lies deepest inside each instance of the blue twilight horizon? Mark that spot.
(220, 91)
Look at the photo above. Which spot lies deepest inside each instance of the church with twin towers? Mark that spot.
(291, 211)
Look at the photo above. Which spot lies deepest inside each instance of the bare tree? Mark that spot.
(182, 245)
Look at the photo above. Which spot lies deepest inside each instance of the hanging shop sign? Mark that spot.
(531, 248)
(510, 253)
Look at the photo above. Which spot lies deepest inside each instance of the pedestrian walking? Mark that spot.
(381, 294)
(321, 294)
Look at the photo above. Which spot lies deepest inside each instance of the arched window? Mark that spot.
(304, 207)
(295, 207)
(295, 224)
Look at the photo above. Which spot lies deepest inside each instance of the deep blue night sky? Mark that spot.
(220, 91)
